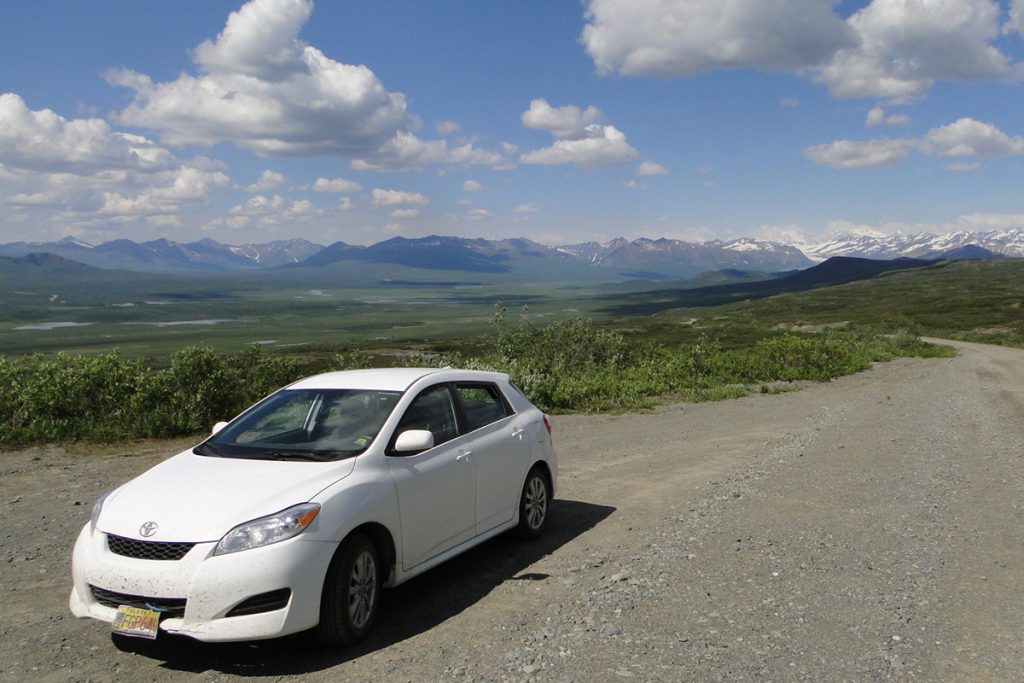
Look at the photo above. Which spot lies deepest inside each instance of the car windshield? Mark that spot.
(304, 424)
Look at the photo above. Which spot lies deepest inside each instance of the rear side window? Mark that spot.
(434, 411)
(482, 404)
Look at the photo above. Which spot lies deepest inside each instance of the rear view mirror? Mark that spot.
(414, 440)
(217, 427)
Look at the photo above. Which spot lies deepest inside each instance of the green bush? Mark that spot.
(102, 398)
(567, 366)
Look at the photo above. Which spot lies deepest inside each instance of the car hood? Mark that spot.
(195, 498)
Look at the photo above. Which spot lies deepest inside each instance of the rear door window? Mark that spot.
(482, 404)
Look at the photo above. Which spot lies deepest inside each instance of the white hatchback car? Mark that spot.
(296, 513)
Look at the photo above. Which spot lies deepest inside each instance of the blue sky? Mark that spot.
(558, 121)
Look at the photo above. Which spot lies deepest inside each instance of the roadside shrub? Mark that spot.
(102, 398)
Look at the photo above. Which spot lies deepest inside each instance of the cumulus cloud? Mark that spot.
(904, 46)
(651, 168)
(471, 186)
(405, 150)
(444, 128)
(889, 49)
(43, 141)
(969, 138)
(579, 139)
(1015, 24)
(479, 214)
(396, 197)
(963, 138)
(86, 170)
(267, 212)
(527, 208)
(262, 88)
(877, 117)
(268, 181)
(336, 185)
(860, 154)
(405, 213)
(665, 38)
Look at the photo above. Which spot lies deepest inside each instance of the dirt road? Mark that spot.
(864, 529)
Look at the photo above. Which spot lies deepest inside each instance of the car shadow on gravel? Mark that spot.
(412, 608)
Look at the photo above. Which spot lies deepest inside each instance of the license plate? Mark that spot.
(136, 622)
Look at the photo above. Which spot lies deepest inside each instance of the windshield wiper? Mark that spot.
(207, 449)
(295, 455)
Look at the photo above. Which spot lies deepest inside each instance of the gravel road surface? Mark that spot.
(864, 529)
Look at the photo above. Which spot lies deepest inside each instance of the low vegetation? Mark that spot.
(569, 365)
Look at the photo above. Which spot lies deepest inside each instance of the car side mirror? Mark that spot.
(414, 440)
(217, 427)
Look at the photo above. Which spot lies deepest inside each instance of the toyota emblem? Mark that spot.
(148, 529)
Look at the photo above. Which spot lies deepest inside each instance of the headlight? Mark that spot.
(270, 529)
(96, 510)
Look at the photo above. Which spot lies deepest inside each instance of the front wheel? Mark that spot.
(533, 504)
(351, 593)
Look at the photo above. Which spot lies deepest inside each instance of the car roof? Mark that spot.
(389, 379)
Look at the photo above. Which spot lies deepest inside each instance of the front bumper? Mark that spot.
(211, 585)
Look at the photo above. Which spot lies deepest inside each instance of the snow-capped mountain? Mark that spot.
(644, 258)
(925, 245)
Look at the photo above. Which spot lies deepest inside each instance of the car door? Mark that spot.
(436, 488)
(501, 452)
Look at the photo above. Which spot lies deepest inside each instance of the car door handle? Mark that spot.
(517, 432)
(463, 455)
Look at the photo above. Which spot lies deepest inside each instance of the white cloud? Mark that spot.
(579, 140)
(860, 154)
(889, 49)
(904, 46)
(479, 214)
(471, 186)
(87, 171)
(963, 166)
(1016, 21)
(665, 38)
(969, 138)
(268, 181)
(405, 213)
(396, 197)
(444, 128)
(877, 117)
(43, 141)
(965, 137)
(337, 185)
(651, 168)
(527, 208)
(345, 203)
(630, 184)
(262, 88)
(405, 150)
(567, 122)
(993, 221)
(267, 212)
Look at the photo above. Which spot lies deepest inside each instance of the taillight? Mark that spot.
(547, 424)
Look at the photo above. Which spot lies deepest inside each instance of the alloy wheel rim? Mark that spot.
(362, 589)
(536, 502)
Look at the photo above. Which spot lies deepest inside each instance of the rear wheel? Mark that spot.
(533, 504)
(351, 593)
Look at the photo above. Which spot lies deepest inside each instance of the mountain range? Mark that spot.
(619, 259)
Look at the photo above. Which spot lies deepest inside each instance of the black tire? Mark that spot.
(534, 504)
(348, 606)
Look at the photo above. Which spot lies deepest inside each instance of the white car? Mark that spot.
(296, 513)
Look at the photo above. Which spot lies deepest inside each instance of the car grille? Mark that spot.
(168, 607)
(147, 550)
